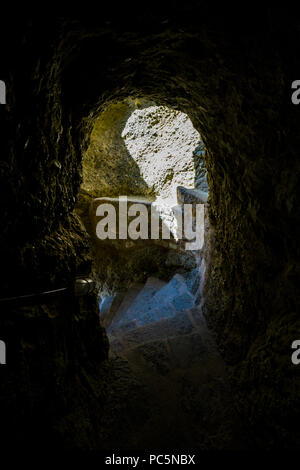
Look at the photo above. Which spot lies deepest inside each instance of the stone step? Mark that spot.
(139, 292)
(175, 287)
(149, 317)
(155, 283)
(118, 329)
(182, 351)
(151, 306)
(192, 280)
(144, 297)
(175, 295)
(190, 321)
(179, 324)
(183, 388)
(109, 306)
(128, 297)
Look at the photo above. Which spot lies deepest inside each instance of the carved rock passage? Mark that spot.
(232, 79)
(137, 148)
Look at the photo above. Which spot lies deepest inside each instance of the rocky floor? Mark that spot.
(168, 384)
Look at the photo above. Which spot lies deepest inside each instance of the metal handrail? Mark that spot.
(82, 286)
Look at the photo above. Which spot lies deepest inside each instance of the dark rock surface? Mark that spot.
(183, 395)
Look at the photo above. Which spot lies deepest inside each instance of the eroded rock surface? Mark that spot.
(162, 142)
(138, 148)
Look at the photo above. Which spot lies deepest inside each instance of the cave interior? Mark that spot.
(224, 379)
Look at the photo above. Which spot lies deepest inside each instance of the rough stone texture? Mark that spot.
(161, 142)
(115, 268)
(191, 196)
(178, 324)
(118, 261)
(182, 381)
(200, 169)
(153, 303)
(230, 72)
(140, 149)
(109, 169)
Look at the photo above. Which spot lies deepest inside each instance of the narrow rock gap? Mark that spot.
(156, 329)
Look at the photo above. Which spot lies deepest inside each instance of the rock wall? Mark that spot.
(108, 168)
(53, 381)
(138, 148)
(162, 142)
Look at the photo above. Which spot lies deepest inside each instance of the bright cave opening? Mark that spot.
(153, 155)
(138, 148)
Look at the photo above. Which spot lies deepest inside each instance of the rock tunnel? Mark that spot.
(232, 78)
(154, 156)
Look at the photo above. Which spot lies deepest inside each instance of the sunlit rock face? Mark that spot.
(108, 168)
(161, 142)
(138, 148)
